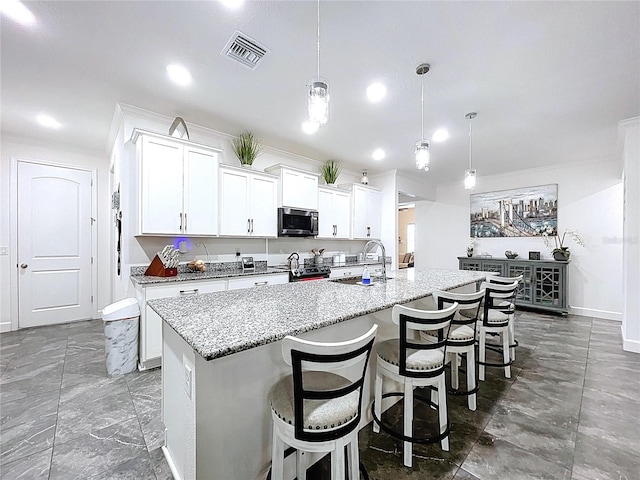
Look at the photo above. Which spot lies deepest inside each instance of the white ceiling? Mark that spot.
(550, 80)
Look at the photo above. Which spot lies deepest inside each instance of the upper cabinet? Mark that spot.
(247, 203)
(177, 186)
(334, 213)
(366, 212)
(296, 188)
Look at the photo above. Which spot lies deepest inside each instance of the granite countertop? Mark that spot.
(222, 323)
(206, 275)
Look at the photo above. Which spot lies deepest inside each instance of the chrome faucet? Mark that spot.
(384, 258)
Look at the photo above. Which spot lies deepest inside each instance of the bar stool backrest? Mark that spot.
(349, 358)
(498, 297)
(504, 280)
(465, 301)
(412, 321)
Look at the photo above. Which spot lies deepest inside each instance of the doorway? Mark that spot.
(406, 235)
(53, 243)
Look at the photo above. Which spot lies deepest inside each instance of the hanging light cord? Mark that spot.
(422, 101)
(470, 143)
(318, 38)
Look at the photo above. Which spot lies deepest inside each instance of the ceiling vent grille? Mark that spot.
(244, 49)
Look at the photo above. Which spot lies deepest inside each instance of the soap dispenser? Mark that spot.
(366, 278)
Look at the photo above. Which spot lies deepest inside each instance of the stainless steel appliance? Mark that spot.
(309, 272)
(293, 222)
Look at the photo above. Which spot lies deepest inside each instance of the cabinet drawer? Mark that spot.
(342, 272)
(258, 281)
(185, 288)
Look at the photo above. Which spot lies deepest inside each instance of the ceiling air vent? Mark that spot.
(244, 49)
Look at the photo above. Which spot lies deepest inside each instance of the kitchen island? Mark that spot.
(222, 353)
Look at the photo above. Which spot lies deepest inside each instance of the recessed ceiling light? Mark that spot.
(48, 121)
(232, 4)
(310, 127)
(17, 12)
(440, 135)
(376, 92)
(378, 154)
(179, 74)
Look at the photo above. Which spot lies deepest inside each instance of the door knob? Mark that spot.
(24, 265)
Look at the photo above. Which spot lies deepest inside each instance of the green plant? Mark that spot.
(559, 241)
(246, 147)
(330, 171)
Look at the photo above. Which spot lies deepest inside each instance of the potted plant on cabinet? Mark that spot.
(561, 251)
(330, 171)
(246, 147)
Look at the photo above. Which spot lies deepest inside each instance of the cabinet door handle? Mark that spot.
(180, 221)
(260, 284)
(248, 225)
(252, 225)
(189, 292)
(368, 231)
(185, 222)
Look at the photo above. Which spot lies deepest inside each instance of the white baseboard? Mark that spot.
(592, 312)
(630, 345)
(5, 327)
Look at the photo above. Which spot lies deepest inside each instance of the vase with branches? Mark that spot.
(246, 147)
(561, 250)
(330, 171)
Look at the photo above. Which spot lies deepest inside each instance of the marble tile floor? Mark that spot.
(570, 411)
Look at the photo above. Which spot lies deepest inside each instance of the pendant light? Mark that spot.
(318, 91)
(423, 153)
(470, 174)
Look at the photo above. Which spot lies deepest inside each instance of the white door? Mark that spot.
(341, 214)
(234, 203)
(326, 223)
(162, 170)
(264, 220)
(200, 191)
(360, 218)
(54, 244)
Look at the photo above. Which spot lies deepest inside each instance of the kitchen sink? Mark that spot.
(356, 281)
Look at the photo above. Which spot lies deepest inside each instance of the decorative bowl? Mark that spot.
(510, 255)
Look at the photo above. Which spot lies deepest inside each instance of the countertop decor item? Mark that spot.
(178, 129)
(330, 171)
(246, 147)
(510, 255)
(561, 251)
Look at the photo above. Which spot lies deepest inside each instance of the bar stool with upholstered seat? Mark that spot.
(513, 343)
(461, 339)
(318, 407)
(414, 362)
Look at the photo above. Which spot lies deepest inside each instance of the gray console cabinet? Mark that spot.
(544, 284)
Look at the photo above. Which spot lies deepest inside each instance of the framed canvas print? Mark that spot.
(520, 212)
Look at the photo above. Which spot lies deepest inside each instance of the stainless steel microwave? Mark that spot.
(293, 222)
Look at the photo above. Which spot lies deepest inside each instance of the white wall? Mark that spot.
(389, 213)
(590, 198)
(631, 237)
(27, 149)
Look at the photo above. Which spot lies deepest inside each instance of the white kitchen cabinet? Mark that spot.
(366, 212)
(177, 186)
(150, 334)
(334, 213)
(238, 283)
(296, 188)
(247, 203)
(344, 272)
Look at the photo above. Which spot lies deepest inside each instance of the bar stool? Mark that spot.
(414, 362)
(513, 343)
(461, 339)
(496, 315)
(316, 409)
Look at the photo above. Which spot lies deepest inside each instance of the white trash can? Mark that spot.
(121, 336)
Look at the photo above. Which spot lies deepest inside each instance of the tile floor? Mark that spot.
(570, 411)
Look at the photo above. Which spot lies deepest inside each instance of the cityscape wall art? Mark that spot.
(520, 212)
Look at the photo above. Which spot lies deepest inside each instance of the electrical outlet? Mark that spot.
(4, 250)
(188, 380)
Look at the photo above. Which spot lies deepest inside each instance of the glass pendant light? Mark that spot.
(318, 91)
(423, 153)
(470, 173)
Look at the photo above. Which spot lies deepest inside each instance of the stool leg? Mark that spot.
(408, 420)
(337, 461)
(455, 362)
(505, 351)
(378, 400)
(301, 465)
(277, 457)
(442, 411)
(481, 347)
(512, 337)
(471, 377)
(353, 460)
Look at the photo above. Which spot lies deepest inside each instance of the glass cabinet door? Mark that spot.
(548, 286)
